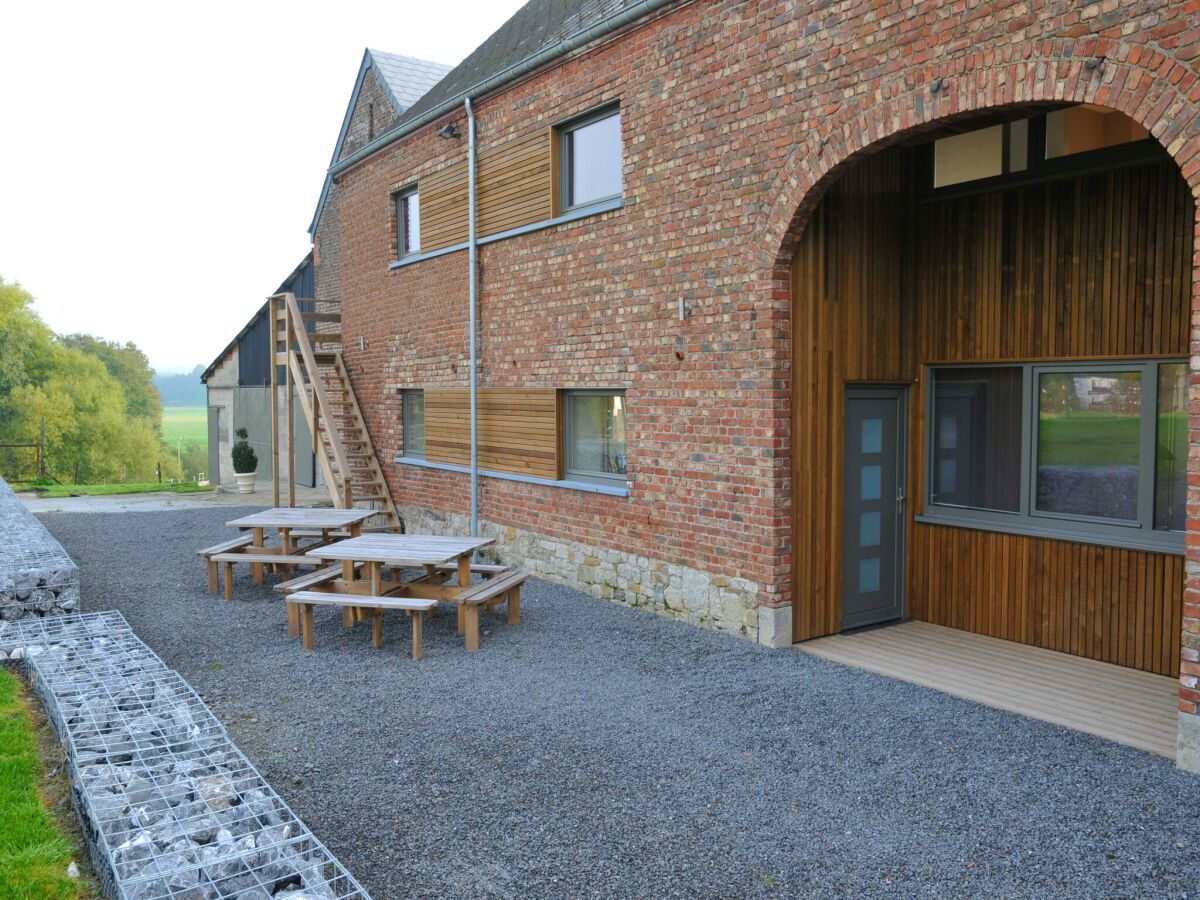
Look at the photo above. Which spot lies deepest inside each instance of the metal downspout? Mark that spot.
(472, 256)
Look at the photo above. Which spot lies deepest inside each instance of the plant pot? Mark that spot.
(245, 482)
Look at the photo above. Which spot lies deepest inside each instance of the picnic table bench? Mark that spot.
(416, 607)
(294, 525)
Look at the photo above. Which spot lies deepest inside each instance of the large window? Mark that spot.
(594, 439)
(590, 159)
(408, 223)
(413, 424)
(1090, 451)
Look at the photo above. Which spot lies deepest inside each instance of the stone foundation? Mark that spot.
(1187, 749)
(725, 604)
(37, 578)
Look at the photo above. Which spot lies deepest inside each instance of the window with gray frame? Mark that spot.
(413, 423)
(1093, 451)
(594, 436)
(590, 158)
(408, 223)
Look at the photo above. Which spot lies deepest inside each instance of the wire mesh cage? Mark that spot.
(169, 806)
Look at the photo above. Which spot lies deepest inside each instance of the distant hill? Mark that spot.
(181, 389)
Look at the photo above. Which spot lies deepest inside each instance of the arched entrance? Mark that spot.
(992, 295)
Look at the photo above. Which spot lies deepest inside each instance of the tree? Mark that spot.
(91, 424)
(129, 366)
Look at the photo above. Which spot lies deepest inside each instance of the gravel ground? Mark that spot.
(596, 751)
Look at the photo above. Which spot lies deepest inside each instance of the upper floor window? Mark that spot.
(408, 223)
(590, 159)
(594, 439)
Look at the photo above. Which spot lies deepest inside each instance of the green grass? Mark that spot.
(57, 491)
(33, 853)
(187, 422)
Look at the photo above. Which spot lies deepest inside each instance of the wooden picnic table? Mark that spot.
(293, 525)
(364, 560)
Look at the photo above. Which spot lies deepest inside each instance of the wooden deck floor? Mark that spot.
(1123, 705)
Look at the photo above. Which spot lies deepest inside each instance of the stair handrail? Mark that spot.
(295, 332)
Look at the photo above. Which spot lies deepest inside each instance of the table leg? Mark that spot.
(472, 637)
(228, 581)
(376, 570)
(356, 530)
(293, 620)
(285, 541)
(377, 628)
(514, 606)
(430, 571)
(348, 614)
(256, 569)
(418, 619)
(212, 576)
(464, 579)
(308, 627)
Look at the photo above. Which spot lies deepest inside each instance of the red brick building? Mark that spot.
(799, 317)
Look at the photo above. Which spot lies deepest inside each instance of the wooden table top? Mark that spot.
(292, 517)
(401, 549)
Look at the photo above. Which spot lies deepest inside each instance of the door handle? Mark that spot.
(900, 495)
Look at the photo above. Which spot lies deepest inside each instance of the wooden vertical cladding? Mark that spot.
(1113, 604)
(1096, 265)
(518, 429)
(514, 184)
(847, 287)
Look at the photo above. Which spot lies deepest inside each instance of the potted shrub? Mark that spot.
(245, 463)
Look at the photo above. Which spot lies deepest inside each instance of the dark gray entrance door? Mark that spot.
(873, 505)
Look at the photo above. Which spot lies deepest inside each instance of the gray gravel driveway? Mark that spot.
(597, 751)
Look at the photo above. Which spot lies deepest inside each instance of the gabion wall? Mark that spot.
(169, 806)
(37, 578)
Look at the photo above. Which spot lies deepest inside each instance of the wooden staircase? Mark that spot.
(317, 375)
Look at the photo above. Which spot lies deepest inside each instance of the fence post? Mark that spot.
(42, 451)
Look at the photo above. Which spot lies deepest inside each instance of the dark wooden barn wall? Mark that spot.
(1093, 266)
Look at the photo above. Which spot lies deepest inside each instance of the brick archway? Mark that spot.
(1145, 84)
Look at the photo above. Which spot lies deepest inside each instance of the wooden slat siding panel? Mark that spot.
(1087, 609)
(1097, 266)
(518, 429)
(514, 184)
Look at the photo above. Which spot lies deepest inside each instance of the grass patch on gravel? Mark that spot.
(58, 491)
(34, 854)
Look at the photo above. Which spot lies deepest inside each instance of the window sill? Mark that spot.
(1134, 541)
(573, 215)
(586, 486)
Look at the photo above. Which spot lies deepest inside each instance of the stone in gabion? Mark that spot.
(169, 805)
(37, 578)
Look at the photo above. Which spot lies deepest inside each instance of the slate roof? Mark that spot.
(406, 77)
(536, 26)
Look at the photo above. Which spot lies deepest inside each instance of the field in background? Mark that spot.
(187, 422)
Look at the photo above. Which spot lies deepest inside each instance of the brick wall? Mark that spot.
(735, 117)
(374, 113)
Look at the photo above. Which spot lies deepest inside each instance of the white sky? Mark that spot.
(160, 163)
